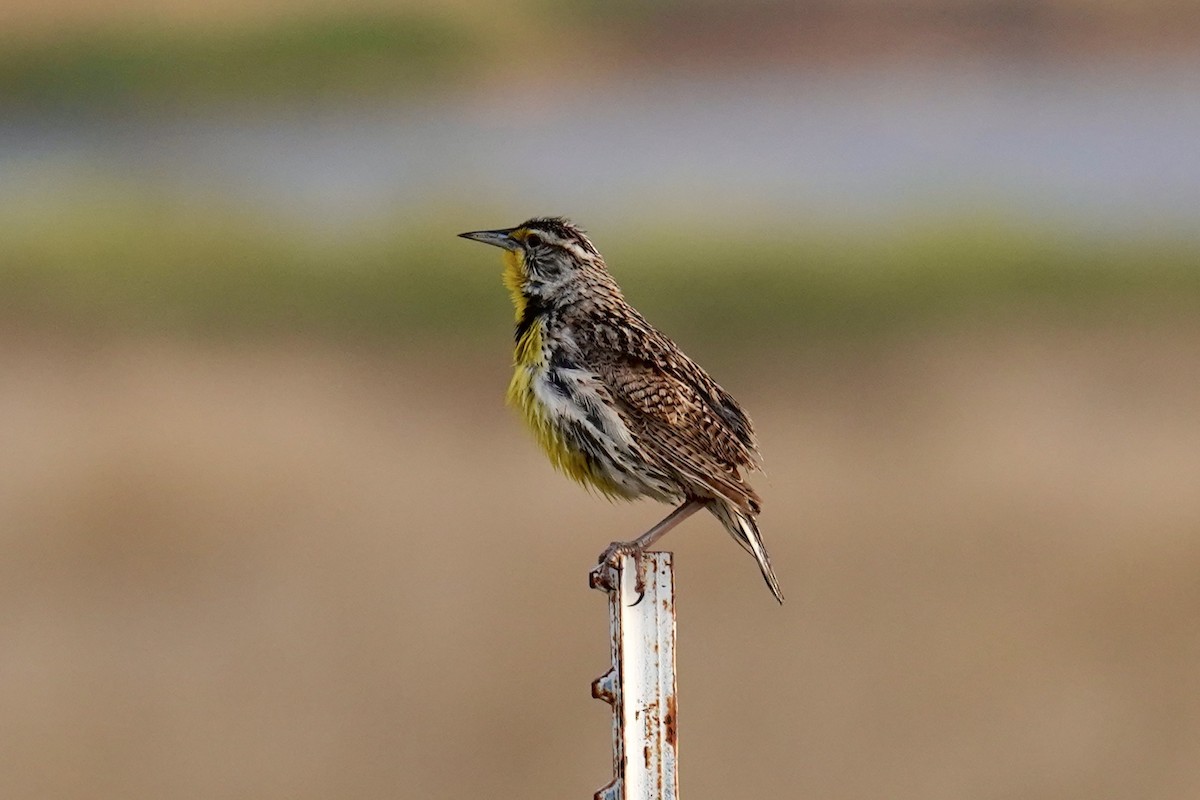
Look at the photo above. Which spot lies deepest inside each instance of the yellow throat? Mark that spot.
(528, 351)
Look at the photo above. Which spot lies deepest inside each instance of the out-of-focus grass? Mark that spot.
(135, 262)
(342, 55)
(348, 52)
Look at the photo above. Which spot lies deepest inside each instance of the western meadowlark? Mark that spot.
(616, 404)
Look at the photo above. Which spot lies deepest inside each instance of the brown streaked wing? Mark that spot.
(628, 332)
(675, 426)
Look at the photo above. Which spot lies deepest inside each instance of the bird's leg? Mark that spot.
(638, 546)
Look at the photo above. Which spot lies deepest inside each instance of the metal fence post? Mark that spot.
(641, 684)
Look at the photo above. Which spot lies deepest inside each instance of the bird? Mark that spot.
(616, 404)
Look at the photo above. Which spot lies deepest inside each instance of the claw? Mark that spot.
(637, 547)
(599, 578)
(612, 557)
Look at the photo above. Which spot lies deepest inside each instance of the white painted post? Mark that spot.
(641, 684)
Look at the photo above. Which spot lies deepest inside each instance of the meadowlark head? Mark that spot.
(544, 257)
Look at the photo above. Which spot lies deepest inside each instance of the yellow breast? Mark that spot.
(530, 362)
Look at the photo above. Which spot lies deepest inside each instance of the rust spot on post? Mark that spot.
(605, 687)
(669, 721)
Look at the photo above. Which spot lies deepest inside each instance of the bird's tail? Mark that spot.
(744, 530)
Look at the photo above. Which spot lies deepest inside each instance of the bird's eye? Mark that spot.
(533, 240)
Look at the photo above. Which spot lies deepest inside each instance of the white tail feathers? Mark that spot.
(744, 530)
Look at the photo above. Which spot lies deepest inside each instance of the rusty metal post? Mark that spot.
(641, 684)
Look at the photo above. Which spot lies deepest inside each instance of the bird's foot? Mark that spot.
(610, 560)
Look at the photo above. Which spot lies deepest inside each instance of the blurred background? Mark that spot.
(268, 530)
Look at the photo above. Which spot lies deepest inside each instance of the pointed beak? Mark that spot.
(501, 238)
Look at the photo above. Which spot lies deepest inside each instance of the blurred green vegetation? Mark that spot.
(345, 52)
(340, 55)
(134, 262)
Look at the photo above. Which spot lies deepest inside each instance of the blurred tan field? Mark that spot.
(284, 568)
